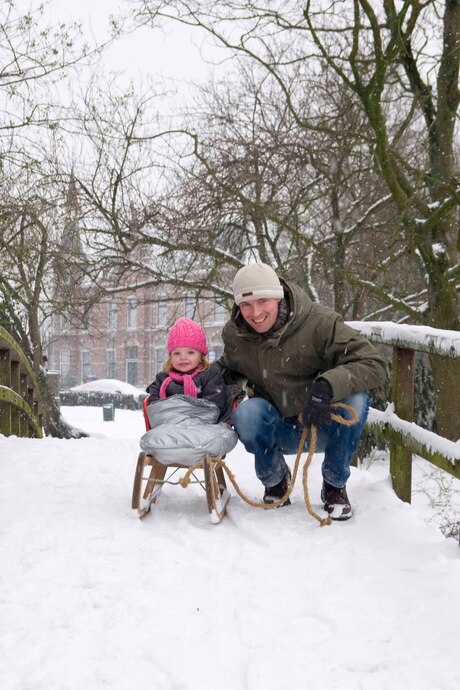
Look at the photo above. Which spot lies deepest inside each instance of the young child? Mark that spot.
(187, 371)
(189, 405)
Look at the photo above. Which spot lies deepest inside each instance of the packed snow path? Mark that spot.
(92, 597)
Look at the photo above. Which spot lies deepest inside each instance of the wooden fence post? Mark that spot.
(5, 380)
(403, 399)
(15, 385)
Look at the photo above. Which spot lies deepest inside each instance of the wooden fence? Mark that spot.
(20, 413)
(396, 424)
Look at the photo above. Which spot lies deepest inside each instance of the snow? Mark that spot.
(444, 341)
(434, 443)
(108, 386)
(92, 597)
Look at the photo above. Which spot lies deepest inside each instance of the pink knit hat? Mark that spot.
(187, 333)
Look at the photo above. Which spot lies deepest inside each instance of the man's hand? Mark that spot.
(317, 409)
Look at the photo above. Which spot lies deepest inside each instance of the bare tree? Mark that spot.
(306, 196)
(385, 55)
(128, 215)
(33, 57)
(30, 235)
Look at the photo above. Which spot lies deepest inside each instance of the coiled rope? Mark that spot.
(219, 462)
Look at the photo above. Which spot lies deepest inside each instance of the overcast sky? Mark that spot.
(173, 53)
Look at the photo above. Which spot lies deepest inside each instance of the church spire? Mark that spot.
(71, 242)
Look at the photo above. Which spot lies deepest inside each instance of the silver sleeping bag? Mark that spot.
(183, 429)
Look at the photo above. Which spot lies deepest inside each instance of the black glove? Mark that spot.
(317, 409)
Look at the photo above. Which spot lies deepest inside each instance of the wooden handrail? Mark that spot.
(20, 413)
(419, 338)
(404, 436)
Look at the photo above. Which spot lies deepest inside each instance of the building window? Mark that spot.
(132, 312)
(131, 372)
(64, 357)
(162, 312)
(161, 357)
(189, 306)
(132, 364)
(111, 363)
(219, 313)
(85, 364)
(112, 316)
(131, 352)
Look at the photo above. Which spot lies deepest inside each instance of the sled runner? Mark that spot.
(151, 475)
(148, 485)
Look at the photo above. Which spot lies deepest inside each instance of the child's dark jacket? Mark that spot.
(209, 383)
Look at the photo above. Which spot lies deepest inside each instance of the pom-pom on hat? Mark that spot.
(187, 333)
(256, 281)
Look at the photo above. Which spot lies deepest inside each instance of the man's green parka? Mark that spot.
(315, 342)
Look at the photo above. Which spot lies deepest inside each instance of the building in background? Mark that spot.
(124, 336)
(121, 336)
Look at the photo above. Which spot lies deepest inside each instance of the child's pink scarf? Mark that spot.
(186, 379)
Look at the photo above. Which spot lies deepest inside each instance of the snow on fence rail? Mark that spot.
(420, 338)
(395, 423)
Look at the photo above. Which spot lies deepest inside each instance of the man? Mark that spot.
(297, 357)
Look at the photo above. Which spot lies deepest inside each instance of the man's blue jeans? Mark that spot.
(268, 435)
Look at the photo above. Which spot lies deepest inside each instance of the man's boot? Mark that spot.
(336, 502)
(274, 493)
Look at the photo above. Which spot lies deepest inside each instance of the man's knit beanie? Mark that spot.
(187, 333)
(256, 281)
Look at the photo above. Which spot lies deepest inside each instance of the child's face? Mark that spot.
(185, 358)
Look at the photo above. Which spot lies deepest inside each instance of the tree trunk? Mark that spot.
(53, 422)
(446, 371)
(446, 381)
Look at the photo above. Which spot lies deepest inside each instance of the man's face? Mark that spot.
(260, 314)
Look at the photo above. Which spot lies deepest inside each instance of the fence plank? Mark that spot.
(15, 385)
(403, 399)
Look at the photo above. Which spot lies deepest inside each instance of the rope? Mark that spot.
(219, 462)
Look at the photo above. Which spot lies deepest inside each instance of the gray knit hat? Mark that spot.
(256, 281)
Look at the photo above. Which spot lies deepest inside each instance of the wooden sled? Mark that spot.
(148, 485)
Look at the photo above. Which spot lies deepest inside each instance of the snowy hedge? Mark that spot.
(98, 399)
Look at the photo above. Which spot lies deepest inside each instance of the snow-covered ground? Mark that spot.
(92, 597)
